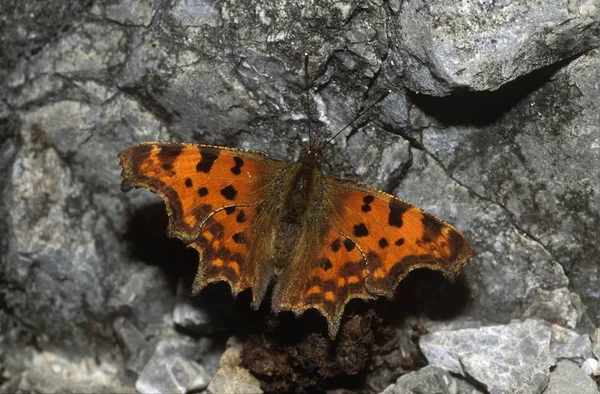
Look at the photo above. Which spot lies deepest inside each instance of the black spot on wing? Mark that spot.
(383, 243)
(335, 245)
(241, 216)
(202, 191)
(229, 192)
(349, 245)
(433, 227)
(397, 208)
(367, 200)
(360, 230)
(399, 242)
(325, 263)
(207, 159)
(239, 238)
(188, 182)
(229, 210)
(168, 153)
(237, 169)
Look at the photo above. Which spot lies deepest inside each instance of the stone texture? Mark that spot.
(596, 342)
(524, 177)
(173, 367)
(231, 377)
(569, 378)
(503, 358)
(171, 375)
(591, 367)
(428, 380)
(565, 343)
(481, 45)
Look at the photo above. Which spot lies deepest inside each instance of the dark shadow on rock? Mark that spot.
(147, 236)
(484, 108)
(425, 293)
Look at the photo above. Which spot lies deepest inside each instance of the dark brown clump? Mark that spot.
(294, 356)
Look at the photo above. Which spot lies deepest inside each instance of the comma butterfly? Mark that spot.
(326, 240)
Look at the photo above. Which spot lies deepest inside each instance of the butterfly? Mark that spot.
(256, 220)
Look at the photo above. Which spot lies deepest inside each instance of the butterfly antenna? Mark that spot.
(307, 96)
(383, 96)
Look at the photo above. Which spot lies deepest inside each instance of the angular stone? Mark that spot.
(171, 374)
(173, 368)
(569, 378)
(591, 367)
(230, 376)
(475, 45)
(554, 306)
(137, 350)
(596, 343)
(503, 358)
(428, 380)
(569, 344)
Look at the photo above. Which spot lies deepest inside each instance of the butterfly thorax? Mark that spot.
(312, 157)
(300, 192)
(298, 213)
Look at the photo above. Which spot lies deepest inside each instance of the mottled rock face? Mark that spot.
(493, 125)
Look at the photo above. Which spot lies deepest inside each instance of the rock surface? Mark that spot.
(478, 45)
(569, 378)
(429, 380)
(504, 358)
(493, 125)
(231, 377)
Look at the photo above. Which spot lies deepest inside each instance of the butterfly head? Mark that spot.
(312, 156)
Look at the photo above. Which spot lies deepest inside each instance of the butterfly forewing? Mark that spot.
(394, 236)
(210, 193)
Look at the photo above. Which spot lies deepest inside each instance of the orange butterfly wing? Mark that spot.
(394, 236)
(373, 241)
(335, 276)
(211, 195)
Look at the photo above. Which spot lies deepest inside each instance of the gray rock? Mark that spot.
(482, 45)
(596, 342)
(429, 380)
(137, 350)
(555, 306)
(173, 368)
(591, 367)
(231, 377)
(505, 251)
(148, 296)
(569, 378)
(565, 343)
(535, 216)
(172, 374)
(127, 12)
(59, 372)
(503, 358)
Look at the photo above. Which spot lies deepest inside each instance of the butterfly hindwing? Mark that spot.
(210, 193)
(335, 275)
(231, 251)
(394, 236)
